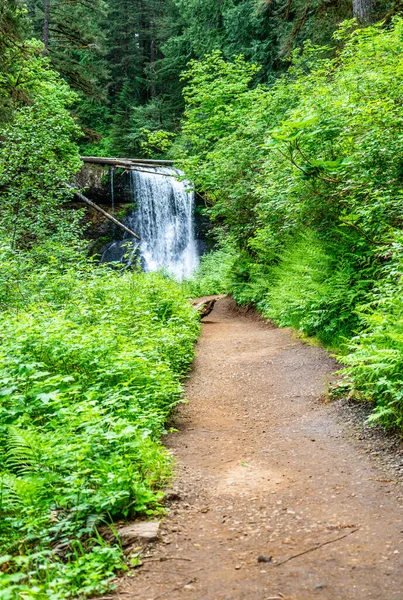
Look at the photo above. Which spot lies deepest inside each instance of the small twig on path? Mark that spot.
(316, 548)
(158, 571)
(175, 573)
(120, 594)
(164, 558)
(179, 587)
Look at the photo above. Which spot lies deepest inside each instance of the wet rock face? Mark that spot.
(91, 178)
(98, 230)
(96, 180)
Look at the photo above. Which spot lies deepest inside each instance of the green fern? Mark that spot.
(24, 453)
(19, 492)
(10, 500)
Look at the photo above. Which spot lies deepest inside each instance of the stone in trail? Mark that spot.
(144, 532)
(266, 470)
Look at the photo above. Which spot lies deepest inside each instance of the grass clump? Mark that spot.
(90, 367)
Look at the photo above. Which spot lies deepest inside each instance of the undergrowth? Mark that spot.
(315, 289)
(375, 357)
(90, 367)
(213, 275)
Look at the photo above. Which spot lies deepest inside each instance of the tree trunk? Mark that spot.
(126, 162)
(103, 212)
(363, 10)
(153, 52)
(46, 18)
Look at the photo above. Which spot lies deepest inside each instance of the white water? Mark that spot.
(164, 220)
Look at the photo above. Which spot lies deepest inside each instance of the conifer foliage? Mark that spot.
(125, 57)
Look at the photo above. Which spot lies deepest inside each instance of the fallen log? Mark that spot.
(99, 160)
(205, 307)
(129, 165)
(103, 212)
(113, 162)
(151, 162)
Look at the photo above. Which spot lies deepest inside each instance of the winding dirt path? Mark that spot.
(266, 470)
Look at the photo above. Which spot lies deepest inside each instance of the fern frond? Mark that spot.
(10, 499)
(24, 451)
(16, 492)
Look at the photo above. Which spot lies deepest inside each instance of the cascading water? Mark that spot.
(164, 220)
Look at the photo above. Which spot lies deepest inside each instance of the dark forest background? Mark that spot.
(125, 57)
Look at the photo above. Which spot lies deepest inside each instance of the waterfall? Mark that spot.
(164, 219)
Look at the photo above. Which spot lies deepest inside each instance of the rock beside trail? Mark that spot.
(140, 533)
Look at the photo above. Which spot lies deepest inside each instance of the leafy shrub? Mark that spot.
(375, 356)
(38, 154)
(214, 274)
(90, 368)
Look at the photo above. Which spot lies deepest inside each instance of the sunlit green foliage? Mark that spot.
(375, 356)
(315, 289)
(90, 359)
(38, 154)
(90, 368)
(126, 56)
(214, 275)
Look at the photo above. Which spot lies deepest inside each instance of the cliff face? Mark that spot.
(92, 176)
(96, 182)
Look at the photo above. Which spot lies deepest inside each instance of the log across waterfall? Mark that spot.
(163, 215)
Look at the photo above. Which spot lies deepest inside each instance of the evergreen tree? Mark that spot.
(126, 57)
(12, 29)
(73, 35)
(136, 33)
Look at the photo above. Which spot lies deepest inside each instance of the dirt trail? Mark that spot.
(265, 469)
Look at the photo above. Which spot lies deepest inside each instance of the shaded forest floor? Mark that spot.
(267, 471)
